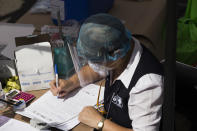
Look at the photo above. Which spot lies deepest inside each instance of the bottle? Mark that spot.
(3, 105)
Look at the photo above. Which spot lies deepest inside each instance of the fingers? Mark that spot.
(54, 92)
(89, 116)
(62, 94)
(63, 88)
(53, 88)
(52, 83)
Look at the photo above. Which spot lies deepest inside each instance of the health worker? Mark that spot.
(133, 76)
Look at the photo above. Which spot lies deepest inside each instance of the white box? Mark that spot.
(34, 65)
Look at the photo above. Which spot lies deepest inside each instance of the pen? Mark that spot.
(56, 78)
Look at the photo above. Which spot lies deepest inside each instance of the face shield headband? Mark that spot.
(102, 54)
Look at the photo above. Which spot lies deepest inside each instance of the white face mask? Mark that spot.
(102, 70)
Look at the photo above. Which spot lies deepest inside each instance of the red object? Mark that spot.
(25, 96)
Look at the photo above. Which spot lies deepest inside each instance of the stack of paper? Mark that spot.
(63, 113)
(8, 124)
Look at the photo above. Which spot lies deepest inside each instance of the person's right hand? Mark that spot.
(64, 87)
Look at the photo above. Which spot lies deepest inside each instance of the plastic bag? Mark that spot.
(186, 50)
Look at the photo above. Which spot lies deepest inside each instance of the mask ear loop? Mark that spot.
(100, 106)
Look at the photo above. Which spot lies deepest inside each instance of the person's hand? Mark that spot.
(90, 116)
(64, 87)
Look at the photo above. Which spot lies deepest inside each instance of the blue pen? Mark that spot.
(56, 78)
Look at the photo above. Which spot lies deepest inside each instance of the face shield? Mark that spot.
(97, 45)
(86, 71)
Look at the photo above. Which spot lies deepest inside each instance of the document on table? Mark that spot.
(63, 113)
(8, 124)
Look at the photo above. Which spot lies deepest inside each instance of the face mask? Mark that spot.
(102, 70)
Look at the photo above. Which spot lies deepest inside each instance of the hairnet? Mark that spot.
(103, 37)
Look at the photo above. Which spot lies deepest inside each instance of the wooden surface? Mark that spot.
(10, 113)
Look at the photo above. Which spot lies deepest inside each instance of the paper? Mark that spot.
(62, 113)
(8, 124)
(8, 32)
(34, 65)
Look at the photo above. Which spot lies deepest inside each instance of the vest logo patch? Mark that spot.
(117, 101)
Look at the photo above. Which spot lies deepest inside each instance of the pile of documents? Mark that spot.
(8, 124)
(63, 113)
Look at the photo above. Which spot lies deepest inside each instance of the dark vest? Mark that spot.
(117, 106)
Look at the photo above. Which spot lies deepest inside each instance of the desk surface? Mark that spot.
(143, 18)
(10, 113)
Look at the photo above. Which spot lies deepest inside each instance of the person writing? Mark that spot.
(133, 76)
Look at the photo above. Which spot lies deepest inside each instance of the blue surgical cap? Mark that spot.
(103, 37)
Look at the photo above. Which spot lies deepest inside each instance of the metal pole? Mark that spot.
(168, 115)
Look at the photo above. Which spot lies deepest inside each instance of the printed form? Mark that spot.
(63, 113)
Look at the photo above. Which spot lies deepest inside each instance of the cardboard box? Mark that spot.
(34, 62)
